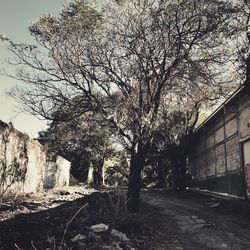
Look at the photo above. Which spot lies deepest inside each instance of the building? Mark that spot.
(220, 156)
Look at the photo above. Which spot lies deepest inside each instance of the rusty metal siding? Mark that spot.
(220, 160)
(231, 127)
(233, 156)
(210, 162)
(216, 161)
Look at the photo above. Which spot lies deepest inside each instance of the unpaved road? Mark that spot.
(201, 223)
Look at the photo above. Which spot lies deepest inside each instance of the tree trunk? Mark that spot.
(98, 172)
(247, 81)
(99, 176)
(161, 174)
(134, 187)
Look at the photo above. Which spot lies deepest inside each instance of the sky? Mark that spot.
(15, 17)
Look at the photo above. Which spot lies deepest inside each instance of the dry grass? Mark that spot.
(54, 228)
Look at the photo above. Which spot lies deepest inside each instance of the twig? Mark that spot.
(32, 244)
(50, 242)
(70, 221)
(17, 247)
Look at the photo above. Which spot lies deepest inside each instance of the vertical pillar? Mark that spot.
(215, 159)
(225, 150)
(205, 153)
(241, 160)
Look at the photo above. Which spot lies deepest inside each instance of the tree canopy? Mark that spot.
(132, 64)
(82, 141)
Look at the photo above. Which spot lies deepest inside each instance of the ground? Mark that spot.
(204, 222)
(167, 220)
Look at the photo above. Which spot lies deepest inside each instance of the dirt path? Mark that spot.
(167, 220)
(201, 222)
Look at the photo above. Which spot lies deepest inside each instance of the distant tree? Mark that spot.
(117, 173)
(244, 36)
(240, 35)
(82, 141)
(128, 64)
(170, 146)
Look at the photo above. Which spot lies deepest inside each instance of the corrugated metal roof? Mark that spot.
(230, 98)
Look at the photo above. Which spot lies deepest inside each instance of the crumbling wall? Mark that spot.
(57, 173)
(26, 165)
(36, 165)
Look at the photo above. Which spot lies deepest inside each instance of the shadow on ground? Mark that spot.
(44, 229)
(217, 203)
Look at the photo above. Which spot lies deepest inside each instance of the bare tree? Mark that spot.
(130, 65)
(244, 20)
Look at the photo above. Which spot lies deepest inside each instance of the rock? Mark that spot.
(80, 246)
(200, 221)
(79, 237)
(94, 247)
(92, 237)
(214, 204)
(99, 228)
(128, 247)
(114, 246)
(194, 217)
(119, 236)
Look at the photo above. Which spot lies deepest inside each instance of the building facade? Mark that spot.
(220, 155)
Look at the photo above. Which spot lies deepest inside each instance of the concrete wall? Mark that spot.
(216, 161)
(26, 165)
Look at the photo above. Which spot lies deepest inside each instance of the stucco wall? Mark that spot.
(26, 165)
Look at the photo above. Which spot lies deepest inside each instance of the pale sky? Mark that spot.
(15, 17)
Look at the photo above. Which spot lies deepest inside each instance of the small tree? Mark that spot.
(128, 64)
(169, 148)
(117, 172)
(82, 141)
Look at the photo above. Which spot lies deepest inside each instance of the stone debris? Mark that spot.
(24, 203)
(200, 221)
(81, 246)
(114, 246)
(191, 223)
(99, 228)
(97, 239)
(79, 237)
(92, 237)
(119, 236)
(214, 205)
(178, 248)
(193, 217)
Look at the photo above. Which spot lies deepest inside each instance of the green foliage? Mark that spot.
(82, 141)
(142, 67)
(117, 172)
(78, 16)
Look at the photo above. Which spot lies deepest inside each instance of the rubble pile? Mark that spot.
(101, 237)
